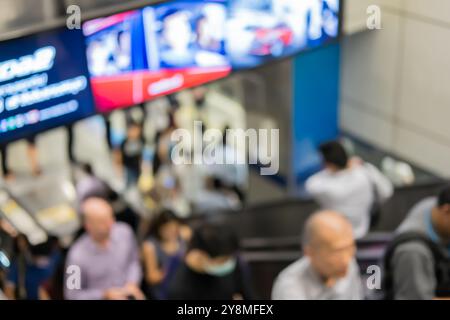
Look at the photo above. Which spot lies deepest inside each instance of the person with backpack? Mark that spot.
(417, 261)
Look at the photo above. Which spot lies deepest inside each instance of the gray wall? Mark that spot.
(394, 88)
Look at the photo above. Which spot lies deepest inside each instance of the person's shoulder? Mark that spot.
(354, 267)
(363, 172)
(415, 219)
(354, 272)
(424, 204)
(286, 285)
(123, 231)
(294, 270)
(123, 228)
(151, 243)
(415, 249)
(324, 173)
(78, 249)
(317, 179)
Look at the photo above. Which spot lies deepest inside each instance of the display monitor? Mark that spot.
(157, 50)
(259, 31)
(44, 83)
(142, 54)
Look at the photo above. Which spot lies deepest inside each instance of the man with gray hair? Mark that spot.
(328, 270)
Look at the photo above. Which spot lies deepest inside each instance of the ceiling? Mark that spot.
(18, 14)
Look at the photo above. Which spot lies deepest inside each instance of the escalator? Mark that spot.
(19, 218)
(45, 203)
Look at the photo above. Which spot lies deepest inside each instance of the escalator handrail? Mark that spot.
(289, 242)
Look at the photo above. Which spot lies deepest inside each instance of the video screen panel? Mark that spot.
(44, 83)
(139, 55)
(136, 56)
(259, 31)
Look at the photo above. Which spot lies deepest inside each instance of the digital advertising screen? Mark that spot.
(44, 83)
(259, 31)
(138, 55)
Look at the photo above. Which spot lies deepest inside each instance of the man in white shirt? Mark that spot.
(328, 270)
(348, 186)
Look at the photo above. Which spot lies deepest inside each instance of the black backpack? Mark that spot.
(441, 263)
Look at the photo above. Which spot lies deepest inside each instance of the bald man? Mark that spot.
(328, 270)
(106, 258)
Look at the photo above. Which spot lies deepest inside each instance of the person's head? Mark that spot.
(98, 217)
(134, 130)
(177, 30)
(225, 135)
(165, 226)
(329, 244)
(213, 250)
(199, 94)
(334, 155)
(173, 102)
(441, 217)
(87, 168)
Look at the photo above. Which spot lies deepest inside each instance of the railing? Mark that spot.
(285, 218)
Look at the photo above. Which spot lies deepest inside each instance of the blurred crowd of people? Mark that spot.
(119, 255)
(106, 261)
(415, 263)
(203, 261)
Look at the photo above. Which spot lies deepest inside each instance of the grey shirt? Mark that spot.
(299, 281)
(413, 263)
(102, 269)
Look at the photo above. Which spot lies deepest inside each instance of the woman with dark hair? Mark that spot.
(163, 252)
